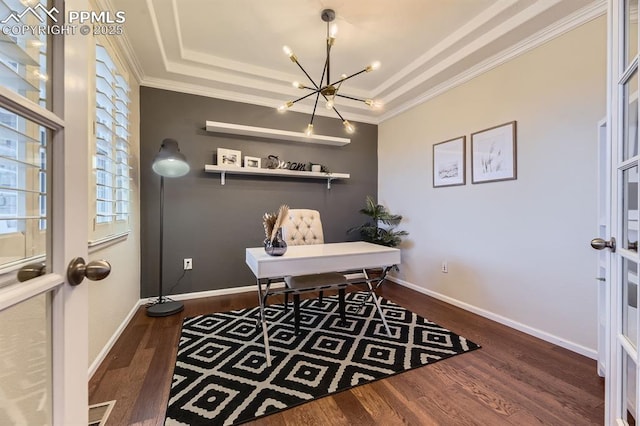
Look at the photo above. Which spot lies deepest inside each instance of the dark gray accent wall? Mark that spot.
(213, 224)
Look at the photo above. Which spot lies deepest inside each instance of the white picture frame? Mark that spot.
(449, 165)
(493, 154)
(229, 157)
(252, 162)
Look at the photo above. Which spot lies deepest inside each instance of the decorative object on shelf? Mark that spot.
(252, 162)
(229, 157)
(271, 162)
(169, 162)
(327, 89)
(316, 167)
(493, 154)
(274, 244)
(380, 229)
(449, 162)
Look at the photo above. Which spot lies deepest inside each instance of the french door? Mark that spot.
(44, 134)
(623, 322)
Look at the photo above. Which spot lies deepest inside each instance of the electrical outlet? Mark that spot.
(445, 267)
(188, 264)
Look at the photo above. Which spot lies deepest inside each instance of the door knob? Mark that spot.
(599, 244)
(32, 270)
(95, 270)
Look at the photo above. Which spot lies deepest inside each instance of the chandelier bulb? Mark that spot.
(287, 51)
(348, 126)
(374, 66)
(329, 104)
(374, 103)
(298, 85)
(309, 130)
(285, 106)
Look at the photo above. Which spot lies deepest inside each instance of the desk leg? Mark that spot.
(375, 300)
(263, 320)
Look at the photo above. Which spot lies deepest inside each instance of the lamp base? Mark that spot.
(163, 309)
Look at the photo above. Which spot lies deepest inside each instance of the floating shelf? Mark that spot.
(223, 170)
(262, 132)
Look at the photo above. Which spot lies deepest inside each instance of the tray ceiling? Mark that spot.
(232, 49)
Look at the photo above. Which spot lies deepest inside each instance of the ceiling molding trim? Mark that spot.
(195, 89)
(447, 42)
(156, 31)
(123, 44)
(571, 22)
(176, 22)
(486, 38)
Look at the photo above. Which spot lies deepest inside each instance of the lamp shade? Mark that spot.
(169, 161)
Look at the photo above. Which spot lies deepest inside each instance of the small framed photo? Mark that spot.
(493, 154)
(229, 157)
(252, 162)
(449, 162)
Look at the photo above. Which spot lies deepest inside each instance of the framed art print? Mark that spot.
(449, 162)
(252, 162)
(229, 157)
(493, 154)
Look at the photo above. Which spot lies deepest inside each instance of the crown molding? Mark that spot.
(571, 22)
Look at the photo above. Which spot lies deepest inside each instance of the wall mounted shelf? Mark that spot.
(223, 170)
(262, 132)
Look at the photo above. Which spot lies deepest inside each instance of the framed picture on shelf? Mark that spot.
(449, 162)
(493, 154)
(229, 157)
(252, 162)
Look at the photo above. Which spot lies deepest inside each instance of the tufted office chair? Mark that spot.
(305, 227)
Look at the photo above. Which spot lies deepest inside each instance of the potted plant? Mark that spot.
(380, 227)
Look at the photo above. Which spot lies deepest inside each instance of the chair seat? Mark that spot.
(314, 280)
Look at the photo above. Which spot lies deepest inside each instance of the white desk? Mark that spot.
(314, 259)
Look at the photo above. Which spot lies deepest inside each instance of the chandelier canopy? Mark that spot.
(325, 87)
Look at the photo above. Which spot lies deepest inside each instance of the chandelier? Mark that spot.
(325, 87)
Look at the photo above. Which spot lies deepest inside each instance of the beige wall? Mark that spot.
(113, 299)
(516, 249)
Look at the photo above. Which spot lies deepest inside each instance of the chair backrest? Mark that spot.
(303, 227)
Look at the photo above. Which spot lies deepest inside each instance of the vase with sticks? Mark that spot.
(274, 244)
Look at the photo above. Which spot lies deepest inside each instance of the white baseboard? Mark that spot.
(225, 291)
(103, 353)
(572, 346)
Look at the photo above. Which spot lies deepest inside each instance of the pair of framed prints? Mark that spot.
(493, 157)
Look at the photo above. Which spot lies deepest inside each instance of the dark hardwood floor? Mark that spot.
(514, 379)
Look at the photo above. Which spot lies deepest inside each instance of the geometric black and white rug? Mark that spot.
(221, 375)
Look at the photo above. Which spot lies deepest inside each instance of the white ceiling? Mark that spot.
(232, 49)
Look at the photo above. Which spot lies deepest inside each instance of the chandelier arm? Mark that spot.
(307, 74)
(351, 97)
(348, 77)
(313, 114)
(306, 96)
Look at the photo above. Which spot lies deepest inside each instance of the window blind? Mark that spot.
(111, 158)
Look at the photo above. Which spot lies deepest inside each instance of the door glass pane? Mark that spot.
(630, 117)
(630, 31)
(25, 367)
(23, 189)
(630, 209)
(630, 301)
(629, 369)
(23, 49)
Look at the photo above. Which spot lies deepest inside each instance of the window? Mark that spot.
(111, 151)
(23, 144)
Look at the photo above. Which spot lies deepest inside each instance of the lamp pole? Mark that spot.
(169, 162)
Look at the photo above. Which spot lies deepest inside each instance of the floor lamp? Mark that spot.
(171, 163)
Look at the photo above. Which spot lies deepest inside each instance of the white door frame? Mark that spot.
(68, 216)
